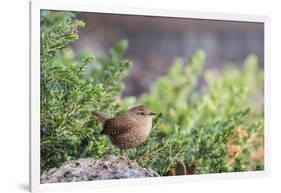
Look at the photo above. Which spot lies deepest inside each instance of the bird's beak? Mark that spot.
(152, 114)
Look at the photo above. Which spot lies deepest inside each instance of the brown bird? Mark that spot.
(128, 130)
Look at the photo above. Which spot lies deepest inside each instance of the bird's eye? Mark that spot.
(141, 113)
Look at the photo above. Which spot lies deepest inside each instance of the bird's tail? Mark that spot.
(100, 116)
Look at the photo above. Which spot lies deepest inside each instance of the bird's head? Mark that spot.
(141, 111)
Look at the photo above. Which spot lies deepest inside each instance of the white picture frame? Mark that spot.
(35, 8)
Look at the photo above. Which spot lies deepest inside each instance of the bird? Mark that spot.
(129, 129)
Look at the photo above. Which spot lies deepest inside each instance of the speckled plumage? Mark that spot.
(129, 129)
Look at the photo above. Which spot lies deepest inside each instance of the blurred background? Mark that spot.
(155, 41)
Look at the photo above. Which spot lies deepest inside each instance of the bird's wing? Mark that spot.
(116, 126)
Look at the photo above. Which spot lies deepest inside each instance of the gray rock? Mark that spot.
(88, 169)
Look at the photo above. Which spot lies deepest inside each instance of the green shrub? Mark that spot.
(196, 123)
(210, 119)
(68, 130)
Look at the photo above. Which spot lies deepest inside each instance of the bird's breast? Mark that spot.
(135, 136)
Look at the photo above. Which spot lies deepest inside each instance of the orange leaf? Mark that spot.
(241, 133)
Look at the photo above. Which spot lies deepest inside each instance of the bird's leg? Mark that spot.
(124, 155)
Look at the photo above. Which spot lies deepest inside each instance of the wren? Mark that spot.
(129, 129)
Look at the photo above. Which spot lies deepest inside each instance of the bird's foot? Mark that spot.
(127, 159)
(124, 155)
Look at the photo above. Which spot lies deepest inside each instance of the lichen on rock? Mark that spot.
(88, 169)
